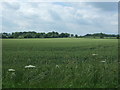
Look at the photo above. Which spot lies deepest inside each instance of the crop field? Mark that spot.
(60, 63)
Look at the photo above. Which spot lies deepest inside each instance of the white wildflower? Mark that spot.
(11, 70)
(94, 54)
(103, 61)
(57, 66)
(30, 66)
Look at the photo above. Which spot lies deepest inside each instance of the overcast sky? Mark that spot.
(77, 18)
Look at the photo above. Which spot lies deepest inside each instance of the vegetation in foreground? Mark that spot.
(60, 63)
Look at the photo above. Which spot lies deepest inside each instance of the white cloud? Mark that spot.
(80, 18)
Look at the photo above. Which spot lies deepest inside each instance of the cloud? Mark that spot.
(105, 6)
(78, 18)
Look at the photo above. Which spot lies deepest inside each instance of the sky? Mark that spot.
(72, 17)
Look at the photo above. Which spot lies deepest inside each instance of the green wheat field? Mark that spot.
(60, 63)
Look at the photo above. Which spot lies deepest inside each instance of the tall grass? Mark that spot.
(60, 63)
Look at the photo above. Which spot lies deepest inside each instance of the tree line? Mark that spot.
(53, 34)
(32, 34)
(102, 35)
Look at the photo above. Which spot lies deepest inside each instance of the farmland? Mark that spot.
(60, 63)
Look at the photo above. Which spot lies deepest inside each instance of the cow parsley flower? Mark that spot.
(30, 66)
(57, 66)
(103, 61)
(94, 54)
(11, 70)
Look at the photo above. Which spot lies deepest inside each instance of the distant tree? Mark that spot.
(101, 35)
(37, 35)
(28, 35)
(76, 35)
(88, 35)
(42, 35)
(62, 35)
(16, 34)
(55, 35)
(81, 36)
(0, 35)
(67, 35)
(4, 35)
(72, 35)
(52, 34)
(118, 36)
(21, 37)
